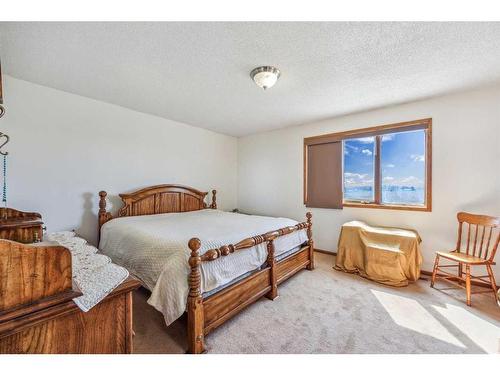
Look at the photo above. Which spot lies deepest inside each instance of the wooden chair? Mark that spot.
(480, 248)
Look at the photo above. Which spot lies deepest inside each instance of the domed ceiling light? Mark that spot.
(265, 76)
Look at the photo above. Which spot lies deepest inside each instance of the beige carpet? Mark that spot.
(326, 311)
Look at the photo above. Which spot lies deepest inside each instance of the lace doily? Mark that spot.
(94, 274)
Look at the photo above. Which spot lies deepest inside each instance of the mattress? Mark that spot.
(154, 249)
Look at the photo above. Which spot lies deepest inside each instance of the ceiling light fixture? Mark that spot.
(265, 76)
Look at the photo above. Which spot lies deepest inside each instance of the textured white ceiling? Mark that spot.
(198, 73)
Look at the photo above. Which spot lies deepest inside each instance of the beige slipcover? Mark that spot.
(389, 256)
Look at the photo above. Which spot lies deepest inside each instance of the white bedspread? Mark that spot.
(154, 249)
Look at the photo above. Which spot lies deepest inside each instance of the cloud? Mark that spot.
(387, 137)
(416, 157)
(389, 165)
(348, 147)
(366, 152)
(388, 179)
(357, 179)
(365, 140)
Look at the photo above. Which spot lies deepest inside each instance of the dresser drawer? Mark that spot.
(22, 233)
(19, 226)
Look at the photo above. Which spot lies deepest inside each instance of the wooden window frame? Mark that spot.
(378, 132)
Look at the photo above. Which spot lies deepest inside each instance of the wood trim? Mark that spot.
(378, 131)
(428, 165)
(370, 131)
(377, 175)
(325, 251)
(304, 175)
(386, 206)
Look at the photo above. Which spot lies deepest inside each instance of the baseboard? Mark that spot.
(324, 251)
(423, 272)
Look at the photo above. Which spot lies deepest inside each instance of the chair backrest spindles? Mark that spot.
(468, 237)
(475, 241)
(481, 244)
(481, 223)
(488, 244)
(459, 241)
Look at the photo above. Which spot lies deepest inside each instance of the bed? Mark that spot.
(234, 260)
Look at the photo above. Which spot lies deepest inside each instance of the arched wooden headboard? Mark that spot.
(158, 199)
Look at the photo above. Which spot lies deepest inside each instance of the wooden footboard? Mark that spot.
(205, 314)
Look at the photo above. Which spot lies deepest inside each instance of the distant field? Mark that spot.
(390, 194)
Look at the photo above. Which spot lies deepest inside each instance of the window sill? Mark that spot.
(387, 206)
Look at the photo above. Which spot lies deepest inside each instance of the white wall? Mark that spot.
(65, 148)
(466, 169)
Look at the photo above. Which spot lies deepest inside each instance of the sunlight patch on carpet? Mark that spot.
(409, 313)
(484, 334)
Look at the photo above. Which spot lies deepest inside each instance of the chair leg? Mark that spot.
(434, 271)
(492, 281)
(460, 270)
(467, 284)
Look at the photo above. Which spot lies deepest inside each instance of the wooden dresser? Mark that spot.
(38, 315)
(25, 227)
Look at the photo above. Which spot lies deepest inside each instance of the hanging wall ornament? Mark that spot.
(2, 110)
(4, 139)
(4, 188)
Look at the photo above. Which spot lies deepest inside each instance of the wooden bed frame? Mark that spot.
(207, 313)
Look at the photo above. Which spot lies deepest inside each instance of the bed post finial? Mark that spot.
(214, 200)
(310, 241)
(102, 201)
(102, 209)
(196, 320)
(103, 216)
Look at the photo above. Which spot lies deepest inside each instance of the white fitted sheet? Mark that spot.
(154, 249)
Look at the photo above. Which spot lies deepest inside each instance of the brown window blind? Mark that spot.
(323, 178)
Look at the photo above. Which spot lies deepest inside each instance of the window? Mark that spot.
(380, 167)
(402, 166)
(359, 169)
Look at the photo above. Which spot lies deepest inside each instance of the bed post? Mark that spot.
(271, 261)
(214, 200)
(310, 242)
(196, 320)
(103, 216)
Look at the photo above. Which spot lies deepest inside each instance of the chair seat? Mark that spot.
(461, 257)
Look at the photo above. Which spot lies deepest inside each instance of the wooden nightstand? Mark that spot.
(25, 227)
